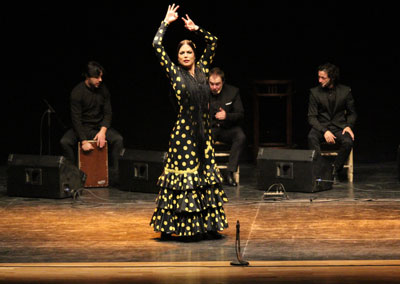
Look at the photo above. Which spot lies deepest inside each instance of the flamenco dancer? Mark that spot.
(191, 198)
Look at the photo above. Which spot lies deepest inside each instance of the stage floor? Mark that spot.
(351, 222)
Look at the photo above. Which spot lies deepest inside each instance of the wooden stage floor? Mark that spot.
(349, 234)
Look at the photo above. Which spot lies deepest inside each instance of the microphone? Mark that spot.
(52, 110)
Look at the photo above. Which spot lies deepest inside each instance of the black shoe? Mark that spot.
(113, 178)
(212, 235)
(230, 180)
(166, 237)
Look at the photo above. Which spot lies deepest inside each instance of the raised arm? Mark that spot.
(162, 55)
(211, 44)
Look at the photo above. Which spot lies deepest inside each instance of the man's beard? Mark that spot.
(93, 86)
(327, 86)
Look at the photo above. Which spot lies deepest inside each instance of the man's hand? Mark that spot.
(221, 114)
(86, 146)
(100, 137)
(329, 137)
(348, 130)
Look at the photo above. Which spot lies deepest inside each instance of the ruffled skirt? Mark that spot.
(190, 203)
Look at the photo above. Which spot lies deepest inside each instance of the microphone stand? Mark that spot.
(49, 130)
(239, 261)
(48, 112)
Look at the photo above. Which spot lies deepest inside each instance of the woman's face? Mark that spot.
(186, 56)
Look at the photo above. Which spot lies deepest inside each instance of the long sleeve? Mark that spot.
(107, 110)
(165, 62)
(76, 116)
(313, 114)
(209, 52)
(322, 116)
(351, 114)
(90, 109)
(237, 112)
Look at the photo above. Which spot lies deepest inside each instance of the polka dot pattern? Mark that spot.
(191, 197)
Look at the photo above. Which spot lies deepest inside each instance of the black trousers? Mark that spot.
(69, 145)
(236, 138)
(345, 144)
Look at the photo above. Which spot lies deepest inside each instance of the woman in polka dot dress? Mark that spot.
(190, 201)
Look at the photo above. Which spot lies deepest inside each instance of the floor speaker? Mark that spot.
(296, 170)
(42, 176)
(139, 170)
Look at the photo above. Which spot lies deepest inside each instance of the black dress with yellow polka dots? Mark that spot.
(191, 197)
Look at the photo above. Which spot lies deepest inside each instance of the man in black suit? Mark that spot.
(227, 113)
(332, 115)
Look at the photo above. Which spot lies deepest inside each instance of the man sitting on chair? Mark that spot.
(227, 113)
(332, 115)
(91, 118)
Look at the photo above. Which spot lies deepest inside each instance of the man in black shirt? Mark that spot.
(91, 116)
(332, 115)
(227, 113)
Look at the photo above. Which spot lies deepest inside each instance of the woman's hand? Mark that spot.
(172, 14)
(189, 24)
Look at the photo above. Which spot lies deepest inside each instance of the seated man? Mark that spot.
(332, 115)
(227, 113)
(91, 119)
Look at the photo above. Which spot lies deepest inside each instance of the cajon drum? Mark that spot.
(94, 164)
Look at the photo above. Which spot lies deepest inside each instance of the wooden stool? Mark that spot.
(223, 165)
(94, 164)
(349, 165)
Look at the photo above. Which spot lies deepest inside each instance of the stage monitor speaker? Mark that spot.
(42, 176)
(296, 170)
(139, 170)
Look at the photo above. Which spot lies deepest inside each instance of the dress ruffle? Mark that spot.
(190, 203)
(196, 200)
(187, 213)
(185, 180)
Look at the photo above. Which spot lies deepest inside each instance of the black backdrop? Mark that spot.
(46, 46)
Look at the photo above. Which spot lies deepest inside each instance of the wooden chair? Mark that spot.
(270, 89)
(222, 156)
(349, 165)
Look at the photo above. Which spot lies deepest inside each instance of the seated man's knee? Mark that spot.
(119, 140)
(347, 143)
(115, 139)
(62, 142)
(65, 142)
(313, 142)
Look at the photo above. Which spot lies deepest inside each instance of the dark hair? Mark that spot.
(93, 70)
(198, 97)
(217, 71)
(332, 71)
(188, 42)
